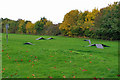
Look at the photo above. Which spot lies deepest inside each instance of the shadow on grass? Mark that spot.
(85, 51)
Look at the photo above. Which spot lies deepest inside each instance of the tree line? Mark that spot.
(42, 27)
(100, 24)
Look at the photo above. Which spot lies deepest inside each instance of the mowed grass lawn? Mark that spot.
(57, 58)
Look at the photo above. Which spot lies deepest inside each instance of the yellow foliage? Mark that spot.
(21, 22)
(29, 28)
(48, 23)
(91, 15)
(87, 27)
(34, 31)
(70, 19)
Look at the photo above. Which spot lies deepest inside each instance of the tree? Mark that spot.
(48, 23)
(85, 22)
(53, 29)
(29, 28)
(21, 24)
(44, 20)
(24, 26)
(13, 26)
(70, 20)
(107, 22)
(80, 28)
(4, 22)
(39, 26)
(0, 25)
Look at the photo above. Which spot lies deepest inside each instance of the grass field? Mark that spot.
(57, 58)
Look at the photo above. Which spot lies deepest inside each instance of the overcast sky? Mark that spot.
(53, 10)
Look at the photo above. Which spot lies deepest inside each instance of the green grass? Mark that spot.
(0, 65)
(58, 57)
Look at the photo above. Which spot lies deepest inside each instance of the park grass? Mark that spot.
(60, 56)
(0, 55)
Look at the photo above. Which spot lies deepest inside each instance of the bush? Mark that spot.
(51, 30)
(107, 22)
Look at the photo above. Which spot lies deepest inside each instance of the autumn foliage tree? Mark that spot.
(78, 23)
(70, 20)
(13, 26)
(52, 29)
(89, 22)
(29, 28)
(80, 28)
(102, 24)
(21, 23)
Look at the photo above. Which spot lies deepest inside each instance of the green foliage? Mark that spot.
(76, 30)
(44, 20)
(51, 30)
(39, 26)
(107, 22)
(13, 26)
(4, 22)
(1, 25)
